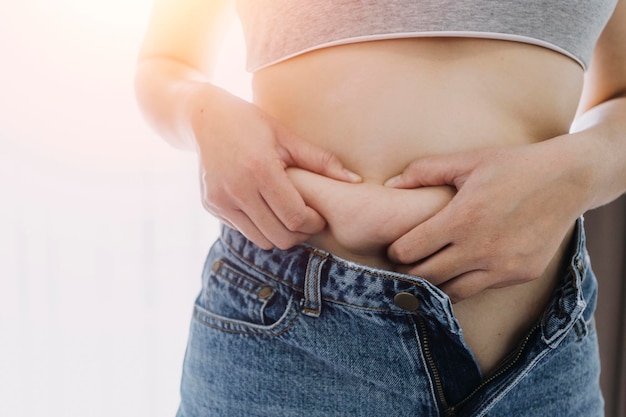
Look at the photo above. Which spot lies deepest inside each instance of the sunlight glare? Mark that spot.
(118, 12)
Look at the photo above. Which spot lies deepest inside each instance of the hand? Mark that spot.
(512, 209)
(243, 155)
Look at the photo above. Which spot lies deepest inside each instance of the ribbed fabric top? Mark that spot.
(276, 30)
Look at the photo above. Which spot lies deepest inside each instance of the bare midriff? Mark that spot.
(379, 105)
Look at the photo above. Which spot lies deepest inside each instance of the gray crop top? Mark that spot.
(276, 30)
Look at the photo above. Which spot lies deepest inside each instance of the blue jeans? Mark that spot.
(304, 333)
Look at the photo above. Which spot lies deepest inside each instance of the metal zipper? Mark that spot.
(506, 365)
(448, 411)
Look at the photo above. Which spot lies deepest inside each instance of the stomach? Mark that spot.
(379, 105)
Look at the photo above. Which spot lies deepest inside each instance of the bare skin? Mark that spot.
(380, 105)
(489, 118)
(364, 219)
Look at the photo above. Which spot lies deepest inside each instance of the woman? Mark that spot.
(400, 202)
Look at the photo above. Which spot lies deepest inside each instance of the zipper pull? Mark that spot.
(449, 412)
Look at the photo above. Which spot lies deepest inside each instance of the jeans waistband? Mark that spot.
(322, 276)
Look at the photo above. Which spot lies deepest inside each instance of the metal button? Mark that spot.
(406, 301)
(265, 293)
(216, 265)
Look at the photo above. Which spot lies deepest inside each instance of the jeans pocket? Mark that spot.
(239, 299)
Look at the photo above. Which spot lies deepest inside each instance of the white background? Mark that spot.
(102, 234)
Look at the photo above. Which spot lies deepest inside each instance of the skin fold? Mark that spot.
(463, 161)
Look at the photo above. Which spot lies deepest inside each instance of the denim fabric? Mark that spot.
(304, 333)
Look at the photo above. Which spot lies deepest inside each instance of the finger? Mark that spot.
(466, 285)
(228, 223)
(238, 220)
(305, 155)
(450, 262)
(422, 241)
(265, 220)
(433, 170)
(289, 206)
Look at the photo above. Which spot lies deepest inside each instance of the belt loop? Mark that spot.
(312, 301)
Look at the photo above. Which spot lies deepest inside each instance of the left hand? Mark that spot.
(513, 208)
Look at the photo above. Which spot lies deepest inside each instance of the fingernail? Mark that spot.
(352, 176)
(393, 181)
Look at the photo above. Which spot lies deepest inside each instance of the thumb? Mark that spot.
(432, 171)
(305, 155)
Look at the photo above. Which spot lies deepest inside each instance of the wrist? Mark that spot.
(170, 95)
(600, 136)
(581, 158)
(200, 106)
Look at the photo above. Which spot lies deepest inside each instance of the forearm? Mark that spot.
(169, 93)
(599, 140)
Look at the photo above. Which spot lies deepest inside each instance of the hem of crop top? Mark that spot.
(434, 34)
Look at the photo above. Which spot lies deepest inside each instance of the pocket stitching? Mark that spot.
(233, 271)
(284, 323)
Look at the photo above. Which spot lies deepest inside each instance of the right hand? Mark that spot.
(243, 156)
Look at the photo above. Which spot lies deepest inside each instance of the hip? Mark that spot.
(280, 333)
